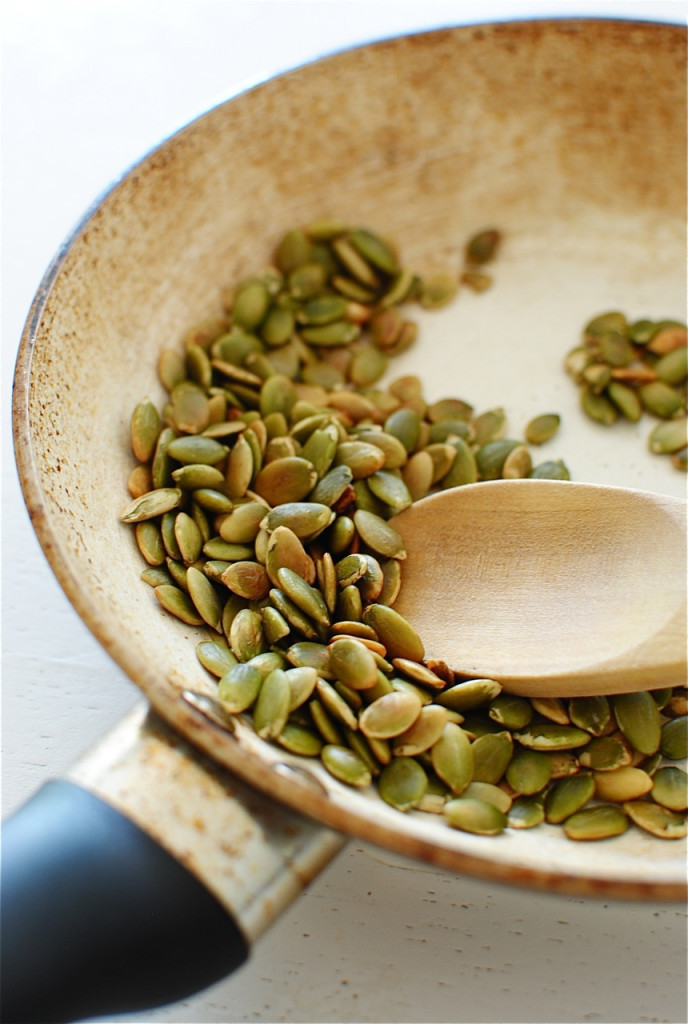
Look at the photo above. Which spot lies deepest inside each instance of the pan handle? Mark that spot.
(143, 878)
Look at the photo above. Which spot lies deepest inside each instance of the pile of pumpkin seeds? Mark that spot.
(261, 502)
(626, 369)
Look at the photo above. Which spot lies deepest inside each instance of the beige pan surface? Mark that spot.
(568, 136)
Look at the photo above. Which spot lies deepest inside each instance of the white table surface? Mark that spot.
(88, 87)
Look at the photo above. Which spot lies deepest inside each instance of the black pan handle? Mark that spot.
(142, 878)
(98, 918)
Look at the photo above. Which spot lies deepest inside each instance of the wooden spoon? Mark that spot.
(550, 587)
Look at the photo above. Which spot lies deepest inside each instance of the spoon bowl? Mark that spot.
(552, 588)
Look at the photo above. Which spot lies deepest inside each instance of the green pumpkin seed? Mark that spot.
(197, 476)
(246, 636)
(197, 449)
(526, 812)
(423, 734)
(490, 458)
(178, 603)
(352, 663)
(390, 715)
(491, 756)
(247, 579)
(528, 772)
(606, 753)
(394, 632)
(511, 711)
(552, 469)
(674, 739)
(305, 519)
(345, 765)
(567, 796)
(402, 783)
(488, 426)
(661, 399)
(627, 783)
(149, 542)
(155, 576)
(152, 504)
(190, 410)
(308, 599)
(489, 794)
(271, 710)
(284, 480)
(672, 367)
(145, 428)
(638, 719)
(215, 656)
(285, 551)
(670, 788)
(438, 290)
(404, 424)
(626, 400)
(452, 758)
(188, 537)
(464, 469)
(550, 736)
(657, 820)
(598, 407)
(204, 597)
(468, 695)
(669, 437)
(299, 740)
(542, 428)
(551, 708)
(476, 816)
(594, 823)
(336, 704)
(239, 687)
(518, 464)
(590, 713)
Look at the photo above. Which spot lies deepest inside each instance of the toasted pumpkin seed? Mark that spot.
(657, 820)
(402, 783)
(345, 765)
(670, 787)
(638, 719)
(452, 758)
(473, 815)
(593, 823)
(152, 504)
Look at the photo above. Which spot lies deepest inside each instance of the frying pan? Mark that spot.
(570, 137)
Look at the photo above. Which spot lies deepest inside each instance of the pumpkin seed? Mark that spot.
(402, 783)
(491, 756)
(423, 734)
(452, 758)
(550, 736)
(542, 428)
(239, 687)
(470, 694)
(657, 820)
(216, 657)
(271, 709)
(390, 715)
(606, 753)
(674, 738)
(152, 504)
(590, 713)
(592, 823)
(528, 772)
(178, 603)
(477, 816)
(345, 765)
(526, 812)
(246, 636)
(670, 788)
(204, 597)
(626, 783)
(638, 718)
(305, 519)
(392, 629)
(489, 793)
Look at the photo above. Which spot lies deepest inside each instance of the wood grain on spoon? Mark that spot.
(552, 588)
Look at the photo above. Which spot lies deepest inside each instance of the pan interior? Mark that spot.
(569, 136)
